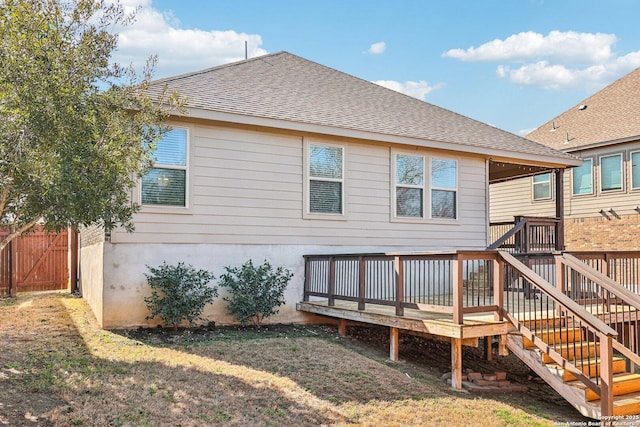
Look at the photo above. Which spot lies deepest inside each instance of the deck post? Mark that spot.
(560, 209)
(606, 375)
(458, 316)
(332, 282)
(342, 327)
(394, 344)
(362, 271)
(488, 351)
(399, 285)
(307, 279)
(456, 363)
(498, 287)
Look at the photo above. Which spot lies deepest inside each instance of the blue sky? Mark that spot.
(514, 64)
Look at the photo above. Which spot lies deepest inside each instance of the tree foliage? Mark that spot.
(76, 131)
(255, 292)
(178, 293)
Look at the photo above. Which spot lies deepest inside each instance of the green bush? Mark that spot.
(178, 293)
(255, 292)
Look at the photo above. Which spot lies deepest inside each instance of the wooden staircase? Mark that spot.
(571, 344)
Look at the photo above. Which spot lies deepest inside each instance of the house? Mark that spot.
(601, 204)
(276, 157)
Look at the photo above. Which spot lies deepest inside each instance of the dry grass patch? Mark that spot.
(53, 352)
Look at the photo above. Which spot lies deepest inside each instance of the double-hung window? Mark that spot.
(326, 179)
(611, 172)
(409, 186)
(582, 182)
(165, 183)
(542, 186)
(635, 170)
(444, 188)
(425, 187)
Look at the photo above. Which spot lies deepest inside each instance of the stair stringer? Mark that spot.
(554, 377)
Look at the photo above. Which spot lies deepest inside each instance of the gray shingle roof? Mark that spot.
(286, 87)
(611, 114)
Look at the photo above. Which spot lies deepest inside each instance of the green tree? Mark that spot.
(76, 131)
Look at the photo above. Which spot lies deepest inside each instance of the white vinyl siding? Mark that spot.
(582, 178)
(635, 170)
(611, 172)
(165, 184)
(248, 187)
(542, 186)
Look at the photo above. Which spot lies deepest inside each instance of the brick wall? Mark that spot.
(600, 233)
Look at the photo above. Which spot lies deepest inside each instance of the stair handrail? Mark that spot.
(516, 228)
(558, 296)
(610, 285)
(606, 335)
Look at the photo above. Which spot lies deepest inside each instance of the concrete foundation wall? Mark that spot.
(125, 283)
(91, 277)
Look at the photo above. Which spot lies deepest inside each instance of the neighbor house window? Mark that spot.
(542, 187)
(409, 186)
(326, 179)
(611, 172)
(635, 170)
(583, 178)
(444, 186)
(165, 183)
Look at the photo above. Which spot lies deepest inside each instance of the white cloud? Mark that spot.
(179, 50)
(415, 89)
(568, 47)
(525, 132)
(377, 48)
(559, 60)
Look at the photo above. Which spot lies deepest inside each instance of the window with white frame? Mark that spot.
(542, 186)
(635, 170)
(326, 179)
(444, 188)
(611, 172)
(409, 186)
(582, 178)
(165, 183)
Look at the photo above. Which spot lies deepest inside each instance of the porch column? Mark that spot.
(560, 209)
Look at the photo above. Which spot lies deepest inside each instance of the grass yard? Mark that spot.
(58, 368)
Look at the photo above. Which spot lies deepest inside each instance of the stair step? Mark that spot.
(553, 337)
(622, 384)
(574, 350)
(628, 404)
(588, 367)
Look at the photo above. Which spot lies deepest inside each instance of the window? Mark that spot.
(583, 178)
(611, 172)
(409, 186)
(635, 170)
(165, 183)
(326, 193)
(542, 187)
(444, 184)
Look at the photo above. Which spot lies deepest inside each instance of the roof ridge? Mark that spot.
(218, 67)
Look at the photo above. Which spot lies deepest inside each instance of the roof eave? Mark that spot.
(560, 161)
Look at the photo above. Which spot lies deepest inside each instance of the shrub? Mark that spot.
(178, 292)
(255, 292)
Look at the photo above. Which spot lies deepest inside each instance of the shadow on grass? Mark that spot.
(54, 348)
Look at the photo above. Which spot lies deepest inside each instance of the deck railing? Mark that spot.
(453, 282)
(526, 234)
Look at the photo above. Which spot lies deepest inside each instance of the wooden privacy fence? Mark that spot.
(38, 261)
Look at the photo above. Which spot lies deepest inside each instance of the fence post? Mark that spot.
(12, 290)
(399, 285)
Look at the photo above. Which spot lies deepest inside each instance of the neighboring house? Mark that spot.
(602, 196)
(277, 157)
